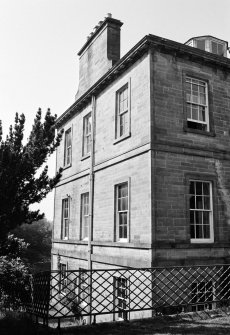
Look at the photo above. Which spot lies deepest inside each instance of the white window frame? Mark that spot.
(87, 132)
(199, 293)
(65, 218)
(121, 297)
(122, 112)
(68, 148)
(84, 216)
(63, 278)
(118, 212)
(202, 210)
(192, 100)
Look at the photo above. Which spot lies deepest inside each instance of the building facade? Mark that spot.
(145, 155)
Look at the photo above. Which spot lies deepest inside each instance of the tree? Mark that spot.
(14, 273)
(19, 165)
(38, 235)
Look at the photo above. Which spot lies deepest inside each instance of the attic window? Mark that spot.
(200, 44)
(210, 44)
(217, 48)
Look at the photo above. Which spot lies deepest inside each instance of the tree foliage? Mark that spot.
(38, 235)
(14, 273)
(20, 182)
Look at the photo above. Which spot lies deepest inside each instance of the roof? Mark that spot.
(149, 41)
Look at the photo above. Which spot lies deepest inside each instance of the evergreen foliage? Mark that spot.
(14, 274)
(19, 165)
(38, 235)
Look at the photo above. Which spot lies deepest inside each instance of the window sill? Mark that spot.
(201, 241)
(199, 132)
(123, 240)
(67, 166)
(85, 157)
(123, 137)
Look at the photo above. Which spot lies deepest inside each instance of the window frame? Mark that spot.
(85, 135)
(199, 83)
(65, 220)
(82, 217)
(210, 211)
(68, 148)
(119, 137)
(116, 212)
(123, 299)
(209, 109)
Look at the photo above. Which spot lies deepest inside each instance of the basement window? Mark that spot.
(202, 296)
(63, 278)
(121, 297)
(197, 104)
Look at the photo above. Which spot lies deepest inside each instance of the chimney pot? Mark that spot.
(109, 15)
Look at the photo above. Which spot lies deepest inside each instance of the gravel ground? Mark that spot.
(191, 324)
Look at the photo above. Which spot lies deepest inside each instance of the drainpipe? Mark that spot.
(91, 197)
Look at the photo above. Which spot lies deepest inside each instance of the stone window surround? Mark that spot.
(85, 153)
(127, 134)
(208, 79)
(69, 148)
(116, 222)
(82, 195)
(213, 180)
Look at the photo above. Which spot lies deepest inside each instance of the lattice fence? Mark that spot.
(59, 294)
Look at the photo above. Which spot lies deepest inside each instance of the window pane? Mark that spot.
(191, 217)
(206, 217)
(192, 231)
(192, 202)
(206, 189)
(199, 202)
(214, 47)
(201, 44)
(220, 49)
(194, 112)
(206, 203)
(199, 188)
(206, 231)
(199, 231)
(198, 217)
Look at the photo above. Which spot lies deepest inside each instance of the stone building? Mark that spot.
(146, 155)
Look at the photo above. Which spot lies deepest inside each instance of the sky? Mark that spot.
(40, 39)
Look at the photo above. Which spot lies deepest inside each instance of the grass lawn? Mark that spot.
(199, 324)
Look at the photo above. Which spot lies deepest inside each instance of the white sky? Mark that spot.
(39, 41)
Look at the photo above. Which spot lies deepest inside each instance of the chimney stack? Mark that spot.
(100, 52)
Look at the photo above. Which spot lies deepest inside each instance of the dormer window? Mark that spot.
(210, 44)
(217, 48)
